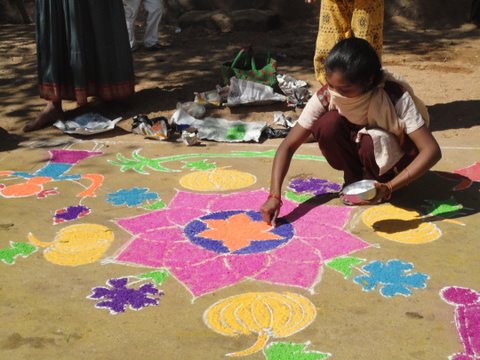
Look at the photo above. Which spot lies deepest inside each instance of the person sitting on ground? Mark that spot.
(155, 10)
(367, 123)
(82, 50)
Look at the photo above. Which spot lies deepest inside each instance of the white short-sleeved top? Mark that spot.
(407, 112)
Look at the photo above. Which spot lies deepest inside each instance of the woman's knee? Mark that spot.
(329, 126)
(365, 149)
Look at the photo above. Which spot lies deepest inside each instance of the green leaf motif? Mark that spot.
(444, 208)
(292, 351)
(200, 165)
(139, 162)
(344, 264)
(298, 198)
(23, 249)
(157, 205)
(158, 276)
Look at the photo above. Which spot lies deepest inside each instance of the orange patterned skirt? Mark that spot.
(341, 19)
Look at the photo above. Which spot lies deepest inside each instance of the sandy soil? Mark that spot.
(43, 306)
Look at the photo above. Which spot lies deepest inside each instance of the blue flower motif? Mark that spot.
(119, 296)
(131, 197)
(394, 275)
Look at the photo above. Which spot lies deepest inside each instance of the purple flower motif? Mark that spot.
(314, 186)
(70, 213)
(119, 296)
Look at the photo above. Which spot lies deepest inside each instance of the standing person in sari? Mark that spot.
(342, 19)
(82, 50)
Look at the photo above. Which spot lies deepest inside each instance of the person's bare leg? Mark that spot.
(52, 112)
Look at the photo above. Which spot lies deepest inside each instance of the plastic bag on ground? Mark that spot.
(87, 124)
(249, 92)
(219, 129)
(296, 90)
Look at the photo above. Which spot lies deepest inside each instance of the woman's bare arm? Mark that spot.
(281, 163)
(429, 154)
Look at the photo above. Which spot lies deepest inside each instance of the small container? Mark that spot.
(359, 192)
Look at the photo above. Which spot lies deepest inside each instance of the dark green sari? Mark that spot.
(83, 50)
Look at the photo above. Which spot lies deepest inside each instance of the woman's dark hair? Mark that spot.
(358, 62)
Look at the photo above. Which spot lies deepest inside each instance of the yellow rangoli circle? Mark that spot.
(396, 224)
(76, 244)
(217, 180)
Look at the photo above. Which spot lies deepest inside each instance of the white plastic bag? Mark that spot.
(87, 124)
(249, 92)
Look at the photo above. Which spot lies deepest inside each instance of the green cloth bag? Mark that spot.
(252, 67)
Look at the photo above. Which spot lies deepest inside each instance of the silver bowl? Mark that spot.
(359, 192)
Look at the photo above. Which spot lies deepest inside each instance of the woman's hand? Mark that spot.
(384, 193)
(270, 210)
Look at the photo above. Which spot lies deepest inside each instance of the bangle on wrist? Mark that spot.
(278, 197)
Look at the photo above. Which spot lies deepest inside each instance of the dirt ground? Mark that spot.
(43, 302)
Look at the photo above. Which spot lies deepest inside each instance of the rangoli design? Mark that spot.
(70, 213)
(8, 255)
(139, 163)
(344, 265)
(61, 161)
(401, 225)
(217, 180)
(76, 244)
(393, 277)
(303, 189)
(464, 177)
(118, 296)
(131, 197)
(292, 351)
(467, 319)
(268, 314)
(200, 165)
(472, 171)
(210, 241)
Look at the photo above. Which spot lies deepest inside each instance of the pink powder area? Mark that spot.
(467, 318)
(207, 277)
(159, 241)
(472, 171)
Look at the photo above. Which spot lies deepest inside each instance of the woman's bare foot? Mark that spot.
(51, 113)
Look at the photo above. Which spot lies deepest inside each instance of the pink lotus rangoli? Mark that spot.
(210, 241)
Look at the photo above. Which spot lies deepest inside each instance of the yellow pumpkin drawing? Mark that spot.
(396, 224)
(76, 244)
(217, 180)
(268, 314)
